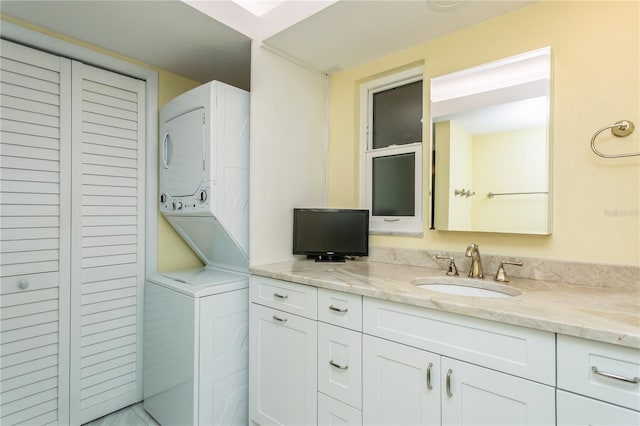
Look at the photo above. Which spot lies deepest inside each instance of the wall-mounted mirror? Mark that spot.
(491, 167)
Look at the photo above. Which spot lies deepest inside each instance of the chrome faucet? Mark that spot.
(475, 271)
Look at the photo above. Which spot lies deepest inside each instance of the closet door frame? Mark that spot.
(27, 37)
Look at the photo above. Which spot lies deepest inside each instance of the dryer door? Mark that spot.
(182, 154)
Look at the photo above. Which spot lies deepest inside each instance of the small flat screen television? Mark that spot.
(330, 235)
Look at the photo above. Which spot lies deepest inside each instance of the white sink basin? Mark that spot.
(465, 287)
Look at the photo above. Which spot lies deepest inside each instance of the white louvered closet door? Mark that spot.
(108, 245)
(34, 236)
(72, 252)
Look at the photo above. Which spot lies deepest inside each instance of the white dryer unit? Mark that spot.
(196, 321)
(204, 172)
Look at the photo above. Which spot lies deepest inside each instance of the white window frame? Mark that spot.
(402, 225)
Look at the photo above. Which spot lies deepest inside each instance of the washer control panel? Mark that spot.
(197, 202)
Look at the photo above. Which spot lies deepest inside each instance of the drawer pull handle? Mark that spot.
(615, 376)
(277, 318)
(281, 296)
(429, 367)
(341, 310)
(336, 365)
(23, 284)
(449, 373)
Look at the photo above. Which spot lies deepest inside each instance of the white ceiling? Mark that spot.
(349, 33)
(172, 35)
(167, 34)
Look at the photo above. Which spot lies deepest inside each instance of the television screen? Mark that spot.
(330, 234)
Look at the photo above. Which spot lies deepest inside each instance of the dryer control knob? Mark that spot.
(179, 205)
(163, 198)
(202, 196)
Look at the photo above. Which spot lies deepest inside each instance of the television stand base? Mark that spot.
(328, 258)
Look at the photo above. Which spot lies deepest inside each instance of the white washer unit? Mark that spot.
(196, 321)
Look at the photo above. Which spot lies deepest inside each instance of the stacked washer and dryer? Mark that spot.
(196, 321)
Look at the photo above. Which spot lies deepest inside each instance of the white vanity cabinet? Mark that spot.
(420, 373)
(326, 357)
(283, 353)
(598, 383)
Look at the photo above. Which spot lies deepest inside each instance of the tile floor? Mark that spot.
(133, 415)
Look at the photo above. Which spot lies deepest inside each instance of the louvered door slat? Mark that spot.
(8, 173)
(38, 413)
(30, 187)
(19, 151)
(30, 379)
(29, 93)
(109, 220)
(28, 344)
(29, 245)
(34, 235)
(107, 359)
(26, 140)
(108, 141)
(108, 315)
(32, 129)
(110, 160)
(108, 247)
(21, 80)
(33, 164)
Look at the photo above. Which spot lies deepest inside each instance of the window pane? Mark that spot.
(397, 115)
(394, 182)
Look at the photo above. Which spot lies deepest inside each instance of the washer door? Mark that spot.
(182, 163)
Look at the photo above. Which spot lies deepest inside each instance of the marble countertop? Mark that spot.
(602, 314)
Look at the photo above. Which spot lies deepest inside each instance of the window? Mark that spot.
(391, 152)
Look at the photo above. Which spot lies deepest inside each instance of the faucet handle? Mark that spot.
(501, 274)
(453, 270)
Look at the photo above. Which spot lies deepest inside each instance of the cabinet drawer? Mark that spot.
(338, 308)
(579, 359)
(579, 410)
(340, 364)
(515, 350)
(332, 412)
(289, 297)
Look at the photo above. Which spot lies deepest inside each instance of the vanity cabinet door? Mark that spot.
(477, 395)
(283, 359)
(401, 384)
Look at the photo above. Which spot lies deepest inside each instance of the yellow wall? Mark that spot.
(173, 252)
(595, 49)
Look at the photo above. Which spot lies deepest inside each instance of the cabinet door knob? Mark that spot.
(23, 284)
(336, 365)
(429, 367)
(449, 373)
(615, 376)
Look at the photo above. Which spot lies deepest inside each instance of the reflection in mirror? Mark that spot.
(491, 146)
